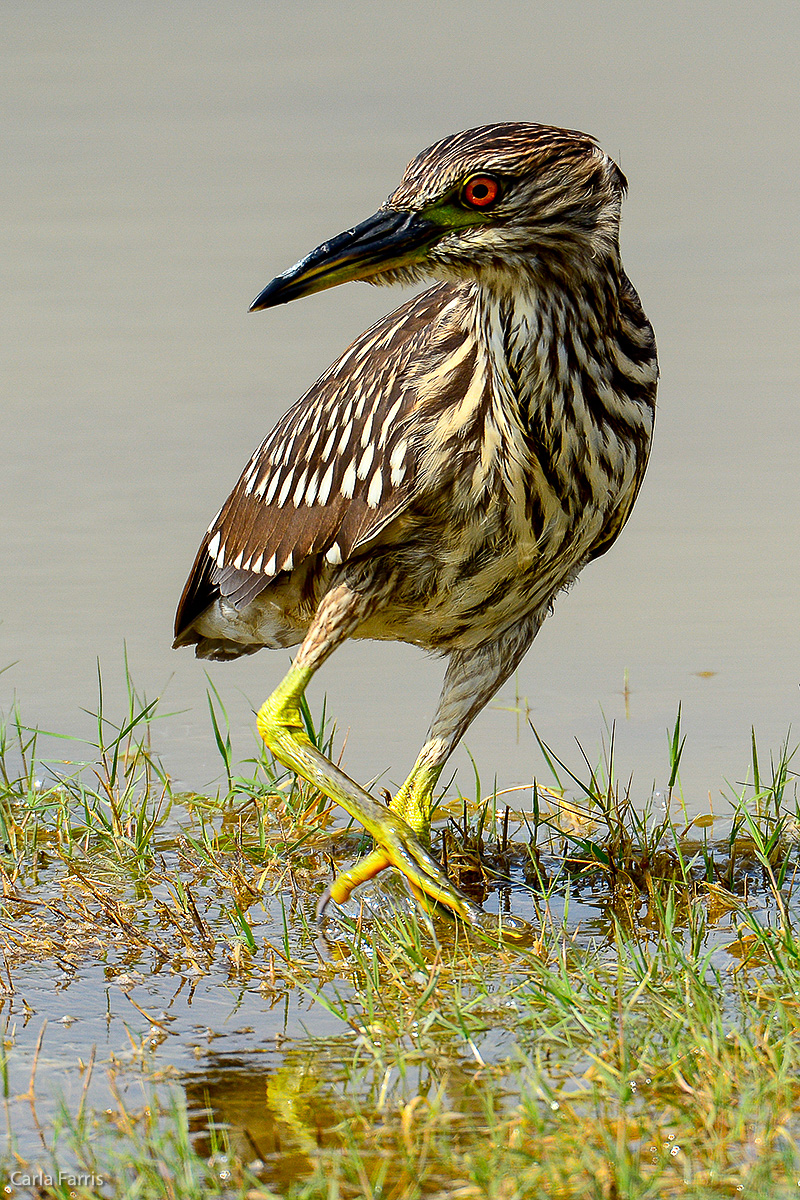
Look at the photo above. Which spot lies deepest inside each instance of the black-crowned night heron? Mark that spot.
(455, 468)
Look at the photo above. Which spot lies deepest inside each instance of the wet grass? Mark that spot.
(176, 1024)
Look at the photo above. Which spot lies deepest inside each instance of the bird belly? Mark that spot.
(459, 593)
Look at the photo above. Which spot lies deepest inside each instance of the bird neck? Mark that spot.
(539, 334)
(553, 348)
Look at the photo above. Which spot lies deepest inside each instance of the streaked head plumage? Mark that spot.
(558, 195)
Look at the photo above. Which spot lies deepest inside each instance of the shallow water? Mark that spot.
(109, 1009)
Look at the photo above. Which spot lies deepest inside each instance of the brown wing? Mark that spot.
(336, 468)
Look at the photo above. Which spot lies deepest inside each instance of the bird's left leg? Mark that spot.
(472, 678)
(281, 725)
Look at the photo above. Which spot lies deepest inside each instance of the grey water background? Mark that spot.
(162, 162)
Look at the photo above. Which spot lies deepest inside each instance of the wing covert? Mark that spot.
(336, 468)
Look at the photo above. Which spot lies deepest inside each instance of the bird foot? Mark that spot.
(380, 898)
(433, 901)
(429, 886)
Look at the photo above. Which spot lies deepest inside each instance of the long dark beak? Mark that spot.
(383, 241)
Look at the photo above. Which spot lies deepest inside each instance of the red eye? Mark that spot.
(482, 191)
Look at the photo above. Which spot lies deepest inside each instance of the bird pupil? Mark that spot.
(480, 190)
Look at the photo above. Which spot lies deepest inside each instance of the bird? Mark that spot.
(456, 467)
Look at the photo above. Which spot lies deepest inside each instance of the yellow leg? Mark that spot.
(280, 724)
(472, 678)
(414, 801)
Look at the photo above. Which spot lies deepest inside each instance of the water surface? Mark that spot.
(163, 162)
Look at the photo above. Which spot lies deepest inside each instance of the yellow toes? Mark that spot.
(367, 868)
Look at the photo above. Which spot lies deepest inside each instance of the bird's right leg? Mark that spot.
(472, 678)
(281, 725)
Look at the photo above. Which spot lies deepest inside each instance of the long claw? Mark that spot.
(428, 881)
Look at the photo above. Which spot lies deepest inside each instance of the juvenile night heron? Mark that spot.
(455, 468)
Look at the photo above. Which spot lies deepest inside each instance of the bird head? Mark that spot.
(499, 204)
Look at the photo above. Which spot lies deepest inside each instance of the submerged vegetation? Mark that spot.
(176, 1024)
